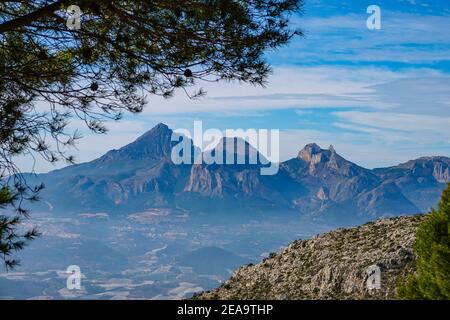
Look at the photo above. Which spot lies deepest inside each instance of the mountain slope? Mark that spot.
(330, 266)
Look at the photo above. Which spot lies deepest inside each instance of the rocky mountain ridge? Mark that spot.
(318, 182)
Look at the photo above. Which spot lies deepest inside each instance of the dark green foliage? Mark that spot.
(12, 240)
(432, 277)
(124, 51)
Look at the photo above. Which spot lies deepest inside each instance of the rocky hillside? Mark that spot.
(330, 266)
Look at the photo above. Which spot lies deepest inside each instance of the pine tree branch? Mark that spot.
(27, 19)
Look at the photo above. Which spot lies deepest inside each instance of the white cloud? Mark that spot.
(310, 87)
(412, 103)
(409, 108)
(404, 38)
(415, 127)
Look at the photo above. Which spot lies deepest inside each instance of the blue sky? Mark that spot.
(380, 97)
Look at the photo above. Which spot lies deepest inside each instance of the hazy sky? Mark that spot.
(380, 97)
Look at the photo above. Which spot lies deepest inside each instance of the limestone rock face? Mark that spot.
(330, 266)
(322, 194)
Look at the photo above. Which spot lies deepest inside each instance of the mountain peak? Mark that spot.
(161, 126)
(233, 144)
(158, 135)
(160, 129)
(318, 160)
(314, 147)
(238, 146)
(331, 149)
(148, 148)
(308, 152)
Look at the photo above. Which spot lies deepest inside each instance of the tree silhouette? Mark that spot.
(124, 52)
(10, 239)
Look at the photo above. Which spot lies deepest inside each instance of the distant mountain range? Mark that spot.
(318, 183)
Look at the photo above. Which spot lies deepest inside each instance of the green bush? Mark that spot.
(5, 196)
(432, 277)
